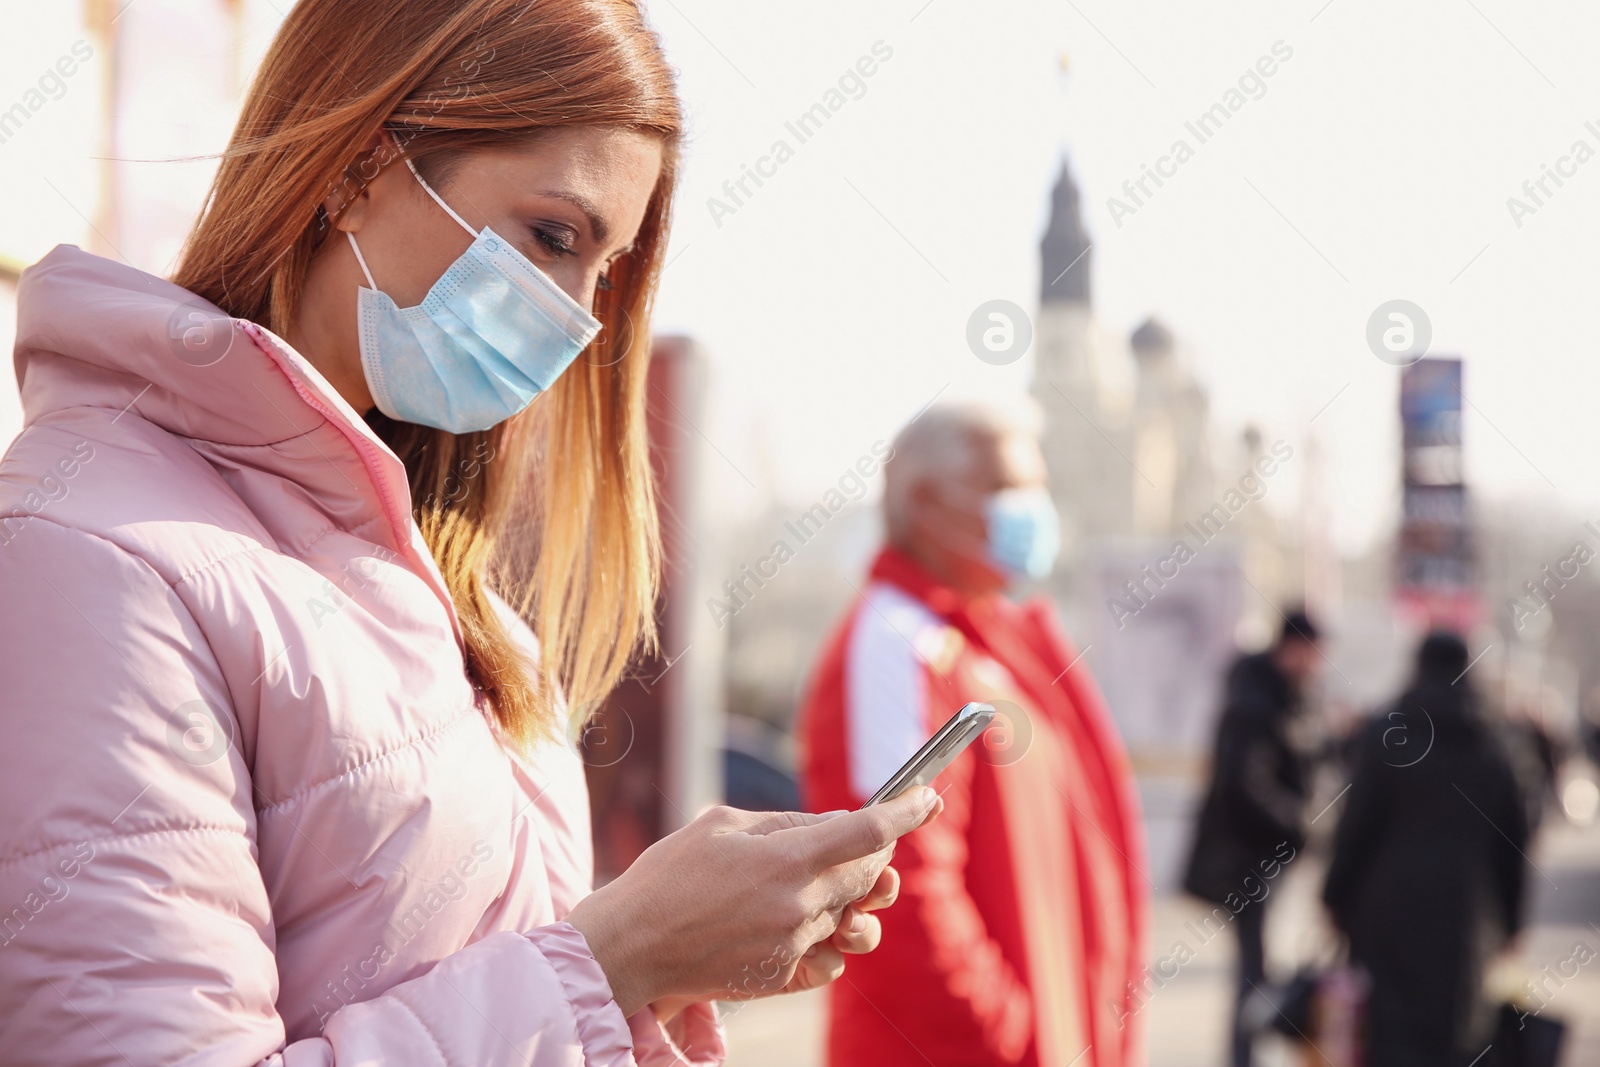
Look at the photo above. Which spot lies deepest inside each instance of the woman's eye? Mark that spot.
(556, 244)
(603, 283)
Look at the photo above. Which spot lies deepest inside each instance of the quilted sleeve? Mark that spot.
(695, 1036)
(134, 923)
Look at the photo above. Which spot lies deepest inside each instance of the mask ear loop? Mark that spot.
(437, 199)
(361, 260)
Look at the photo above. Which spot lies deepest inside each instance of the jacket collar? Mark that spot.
(95, 333)
(1015, 636)
(897, 568)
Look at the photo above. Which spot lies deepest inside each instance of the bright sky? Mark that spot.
(1374, 164)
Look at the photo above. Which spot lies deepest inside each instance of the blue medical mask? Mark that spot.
(1024, 532)
(493, 333)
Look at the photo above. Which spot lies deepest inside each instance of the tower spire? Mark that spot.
(1064, 249)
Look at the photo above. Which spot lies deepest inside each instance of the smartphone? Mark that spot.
(948, 742)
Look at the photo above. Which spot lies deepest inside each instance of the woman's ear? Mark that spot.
(346, 202)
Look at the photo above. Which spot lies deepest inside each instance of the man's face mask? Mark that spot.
(491, 334)
(1024, 532)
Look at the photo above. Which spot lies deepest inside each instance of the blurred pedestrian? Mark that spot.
(1252, 816)
(1534, 754)
(1589, 726)
(1428, 866)
(1017, 938)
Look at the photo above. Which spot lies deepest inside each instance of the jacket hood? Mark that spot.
(130, 334)
(99, 334)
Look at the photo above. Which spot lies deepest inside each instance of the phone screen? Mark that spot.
(948, 742)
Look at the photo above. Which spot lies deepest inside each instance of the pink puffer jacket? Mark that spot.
(251, 808)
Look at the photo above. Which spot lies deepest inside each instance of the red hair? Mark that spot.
(442, 77)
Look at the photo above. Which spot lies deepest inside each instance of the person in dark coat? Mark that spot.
(1428, 865)
(1251, 820)
(1535, 762)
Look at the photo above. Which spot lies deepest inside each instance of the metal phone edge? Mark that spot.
(967, 714)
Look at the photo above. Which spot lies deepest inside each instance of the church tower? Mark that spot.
(1083, 432)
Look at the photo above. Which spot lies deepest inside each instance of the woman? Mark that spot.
(284, 778)
(1428, 866)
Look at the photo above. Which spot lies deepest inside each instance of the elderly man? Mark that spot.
(1018, 935)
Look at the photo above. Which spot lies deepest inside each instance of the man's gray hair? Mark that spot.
(941, 443)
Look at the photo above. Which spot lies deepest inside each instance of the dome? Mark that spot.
(1151, 339)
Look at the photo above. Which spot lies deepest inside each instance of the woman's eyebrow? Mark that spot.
(596, 224)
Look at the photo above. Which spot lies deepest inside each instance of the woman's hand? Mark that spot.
(728, 906)
(857, 934)
(859, 931)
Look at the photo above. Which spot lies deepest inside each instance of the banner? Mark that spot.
(1436, 575)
